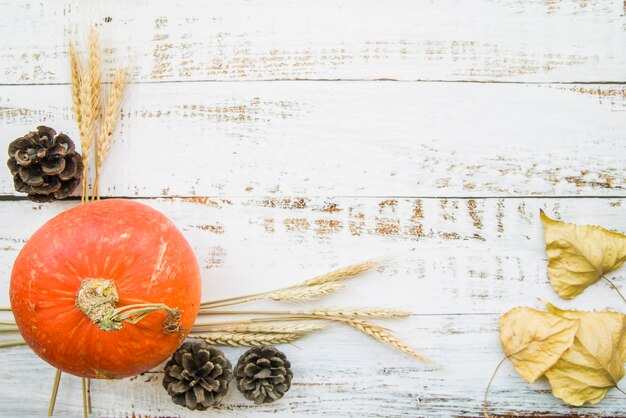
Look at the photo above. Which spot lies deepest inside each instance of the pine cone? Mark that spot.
(263, 374)
(45, 165)
(197, 376)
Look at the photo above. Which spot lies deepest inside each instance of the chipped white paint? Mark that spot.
(457, 264)
(445, 178)
(349, 138)
(512, 40)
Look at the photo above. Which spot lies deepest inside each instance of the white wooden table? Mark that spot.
(286, 139)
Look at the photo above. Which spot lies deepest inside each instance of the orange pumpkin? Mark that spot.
(106, 290)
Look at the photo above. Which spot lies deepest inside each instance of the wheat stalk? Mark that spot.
(95, 83)
(364, 313)
(89, 105)
(375, 331)
(384, 336)
(7, 328)
(292, 294)
(248, 339)
(84, 127)
(109, 120)
(322, 313)
(12, 343)
(274, 328)
(319, 283)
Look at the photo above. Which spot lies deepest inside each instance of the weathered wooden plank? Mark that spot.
(447, 255)
(459, 264)
(349, 138)
(569, 40)
(338, 373)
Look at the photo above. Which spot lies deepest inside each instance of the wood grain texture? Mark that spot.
(286, 139)
(503, 40)
(457, 264)
(349, 138)
(337, 373)
(446, 255)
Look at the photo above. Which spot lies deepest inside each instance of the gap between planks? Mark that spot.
(16, 198)
(342, 80)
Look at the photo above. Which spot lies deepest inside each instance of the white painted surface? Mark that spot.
(273, 181)
(512, 40)
(350, 138)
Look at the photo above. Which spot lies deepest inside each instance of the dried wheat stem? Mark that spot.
(248, 339)
(88, 396)
(95, 83)
(8, 329)
(347, 313)
(291, 294)
(274, 319)
(319, 281)
(85, 129)
(384, 336)
(89, 83)
(274, 328)
(109, 120)
(279, 318)
(12, 343)
(375, 331)
(55, 391)
(362, 313)
(84, 390)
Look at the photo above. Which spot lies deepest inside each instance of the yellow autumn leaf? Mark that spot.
(594, 364)
(535, 340)
(578, 256)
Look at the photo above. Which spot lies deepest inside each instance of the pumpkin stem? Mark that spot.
(135, 313)
(97, 298)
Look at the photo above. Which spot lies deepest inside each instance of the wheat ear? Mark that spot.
(95, 73)
(342, 273)
(76, 73)
(95, 83)
(248, 339)
(384, 336)
(89, 97)
(303, 293)
(109, 120)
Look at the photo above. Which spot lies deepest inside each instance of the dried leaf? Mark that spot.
(594, 364)
(578, 256)
(534, 340)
